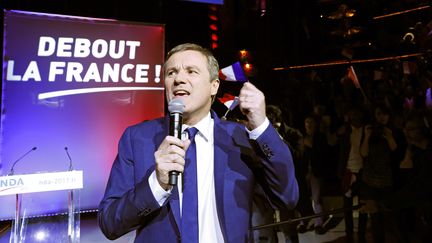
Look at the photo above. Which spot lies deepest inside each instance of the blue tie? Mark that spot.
(189, 231)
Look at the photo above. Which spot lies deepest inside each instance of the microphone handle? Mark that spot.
(172, 179)
(176, 120)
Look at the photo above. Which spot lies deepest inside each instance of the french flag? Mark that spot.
(353, 76)
(233, 72)
(229, 100)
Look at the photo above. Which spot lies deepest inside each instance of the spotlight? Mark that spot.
(244, 55)
(40, 235)
(248, 66)
(350, 13)
(343, 12)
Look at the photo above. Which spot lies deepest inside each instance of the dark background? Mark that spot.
(277, 33)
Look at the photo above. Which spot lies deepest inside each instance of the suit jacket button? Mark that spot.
(145, 212)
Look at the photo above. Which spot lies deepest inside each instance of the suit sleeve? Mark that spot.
(126, 203)
(277, 175)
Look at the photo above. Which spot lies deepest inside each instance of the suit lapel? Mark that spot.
(220, 164)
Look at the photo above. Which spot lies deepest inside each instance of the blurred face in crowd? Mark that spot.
(414, 131)
(319, 110)
(381, 116)
(187, 77)
(310, 125)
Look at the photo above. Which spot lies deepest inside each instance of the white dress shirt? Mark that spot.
(209, 225)
(355, 160)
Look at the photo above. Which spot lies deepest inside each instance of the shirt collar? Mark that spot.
(204, 126)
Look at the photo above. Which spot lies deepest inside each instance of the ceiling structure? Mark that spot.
(290, 32)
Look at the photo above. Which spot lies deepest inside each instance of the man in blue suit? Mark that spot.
(231, 159)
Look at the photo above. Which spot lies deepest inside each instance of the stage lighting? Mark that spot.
(40, 235)
(213, 26)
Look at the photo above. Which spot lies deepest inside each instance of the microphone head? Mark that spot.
(176, 106)
(34, 148)
(66, 148)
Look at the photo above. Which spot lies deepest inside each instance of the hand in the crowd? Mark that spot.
(325, 123)
(170, 156)
(369, 206)
(368, 131)
(341, 131)
(407, 162)
(252, 104)
(387, 133)
(308, 141)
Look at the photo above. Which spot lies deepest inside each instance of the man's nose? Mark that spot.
(180, 77)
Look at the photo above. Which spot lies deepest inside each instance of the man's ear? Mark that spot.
(214, 86)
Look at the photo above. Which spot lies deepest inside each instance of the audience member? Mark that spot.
(350, 165)
(377, 174)
(310, 173)
(416, 192)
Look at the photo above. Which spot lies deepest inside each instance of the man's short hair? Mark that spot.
(212, 63)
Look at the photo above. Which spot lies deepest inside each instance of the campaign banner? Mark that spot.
(70, 86)
(41, 182)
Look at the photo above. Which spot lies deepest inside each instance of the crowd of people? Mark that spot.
(374, 141)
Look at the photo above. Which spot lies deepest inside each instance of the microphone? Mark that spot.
(175, 108)
(70, 159)
(11, 172)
